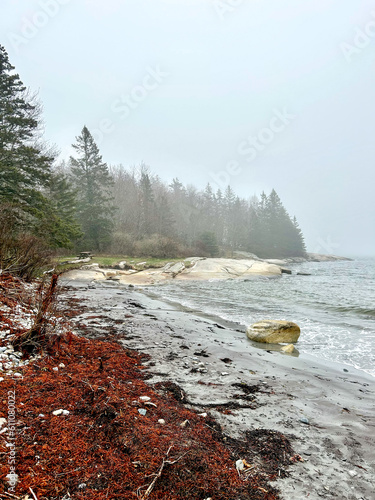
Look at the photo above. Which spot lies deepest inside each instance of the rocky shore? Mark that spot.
(140, 375)
(325, 410)
(196, 268)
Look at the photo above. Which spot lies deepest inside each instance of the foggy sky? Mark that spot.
(260, 94)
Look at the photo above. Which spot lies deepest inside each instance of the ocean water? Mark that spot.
(334, 307)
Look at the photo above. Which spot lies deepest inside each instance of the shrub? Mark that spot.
(21, 254)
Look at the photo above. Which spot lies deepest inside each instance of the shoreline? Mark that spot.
(328, 411)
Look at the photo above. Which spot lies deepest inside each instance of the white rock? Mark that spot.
(61, 365)
(2, 421)
(55, 369)
(41, 415)
(202, 415)
(17, 374)
(65, 412)
(57, 412)
(144, 398)
(161, 421)
(240, 465)
(224, 374)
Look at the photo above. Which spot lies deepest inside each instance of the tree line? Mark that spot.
(84, 204)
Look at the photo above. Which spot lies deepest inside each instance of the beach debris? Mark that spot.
(296, 458)
(55, 369)
(144, 398)
(161, 421)
(204, 415)
(149, 403)
(61, 365)
(2, 422)
(142, 411)
(226, 360)
(224, 374)
(184, 423)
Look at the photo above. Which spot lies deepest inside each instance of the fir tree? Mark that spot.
(93, 182)
(25, 164)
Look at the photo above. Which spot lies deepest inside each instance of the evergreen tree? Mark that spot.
(60, 224)
(93, 182)
(25, 164)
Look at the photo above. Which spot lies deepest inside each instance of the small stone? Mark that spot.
(65, 412)
(142, 411)
(304, 420)
(41, 415)
(224, 374)
(57, 412)
(55, 369)
(204, 415)
(3, 421)
(17, 375)
(239, 465)
(144, 398)
(1, 379)
(161, 421)
(352, 473)
(184, 423)
(61, 365)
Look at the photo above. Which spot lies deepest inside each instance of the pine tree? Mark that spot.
(25, 164)
(60, 224)
(93, 182)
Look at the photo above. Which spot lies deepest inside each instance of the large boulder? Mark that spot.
(274, 332)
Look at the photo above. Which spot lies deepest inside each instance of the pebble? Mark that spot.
(202, 414)
(142, 411)
(61, 365)
(224, 374)
(2, 421)
(161, 421)
(304, 420)
(17, 374)
(60, 412)
(144, 398)
(55, 369)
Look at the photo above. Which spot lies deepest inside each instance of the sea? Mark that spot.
(334, 306)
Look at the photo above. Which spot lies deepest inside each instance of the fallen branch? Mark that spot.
(34, 337)
(158, 474)
(33, 494)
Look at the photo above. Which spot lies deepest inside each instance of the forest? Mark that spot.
(84, 204)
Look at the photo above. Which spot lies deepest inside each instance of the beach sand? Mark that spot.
(326, 410)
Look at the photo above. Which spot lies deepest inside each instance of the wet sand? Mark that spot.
(325, 409)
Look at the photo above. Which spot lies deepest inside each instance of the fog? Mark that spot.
(257, 94)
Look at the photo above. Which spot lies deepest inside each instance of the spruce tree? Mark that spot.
(25, 164)
(93, 182)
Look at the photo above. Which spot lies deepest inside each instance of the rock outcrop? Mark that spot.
(274, 332)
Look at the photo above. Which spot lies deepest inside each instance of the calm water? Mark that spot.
(335, 306)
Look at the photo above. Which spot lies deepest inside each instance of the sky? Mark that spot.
(258, 94)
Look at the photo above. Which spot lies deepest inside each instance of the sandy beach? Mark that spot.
(326, 410)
